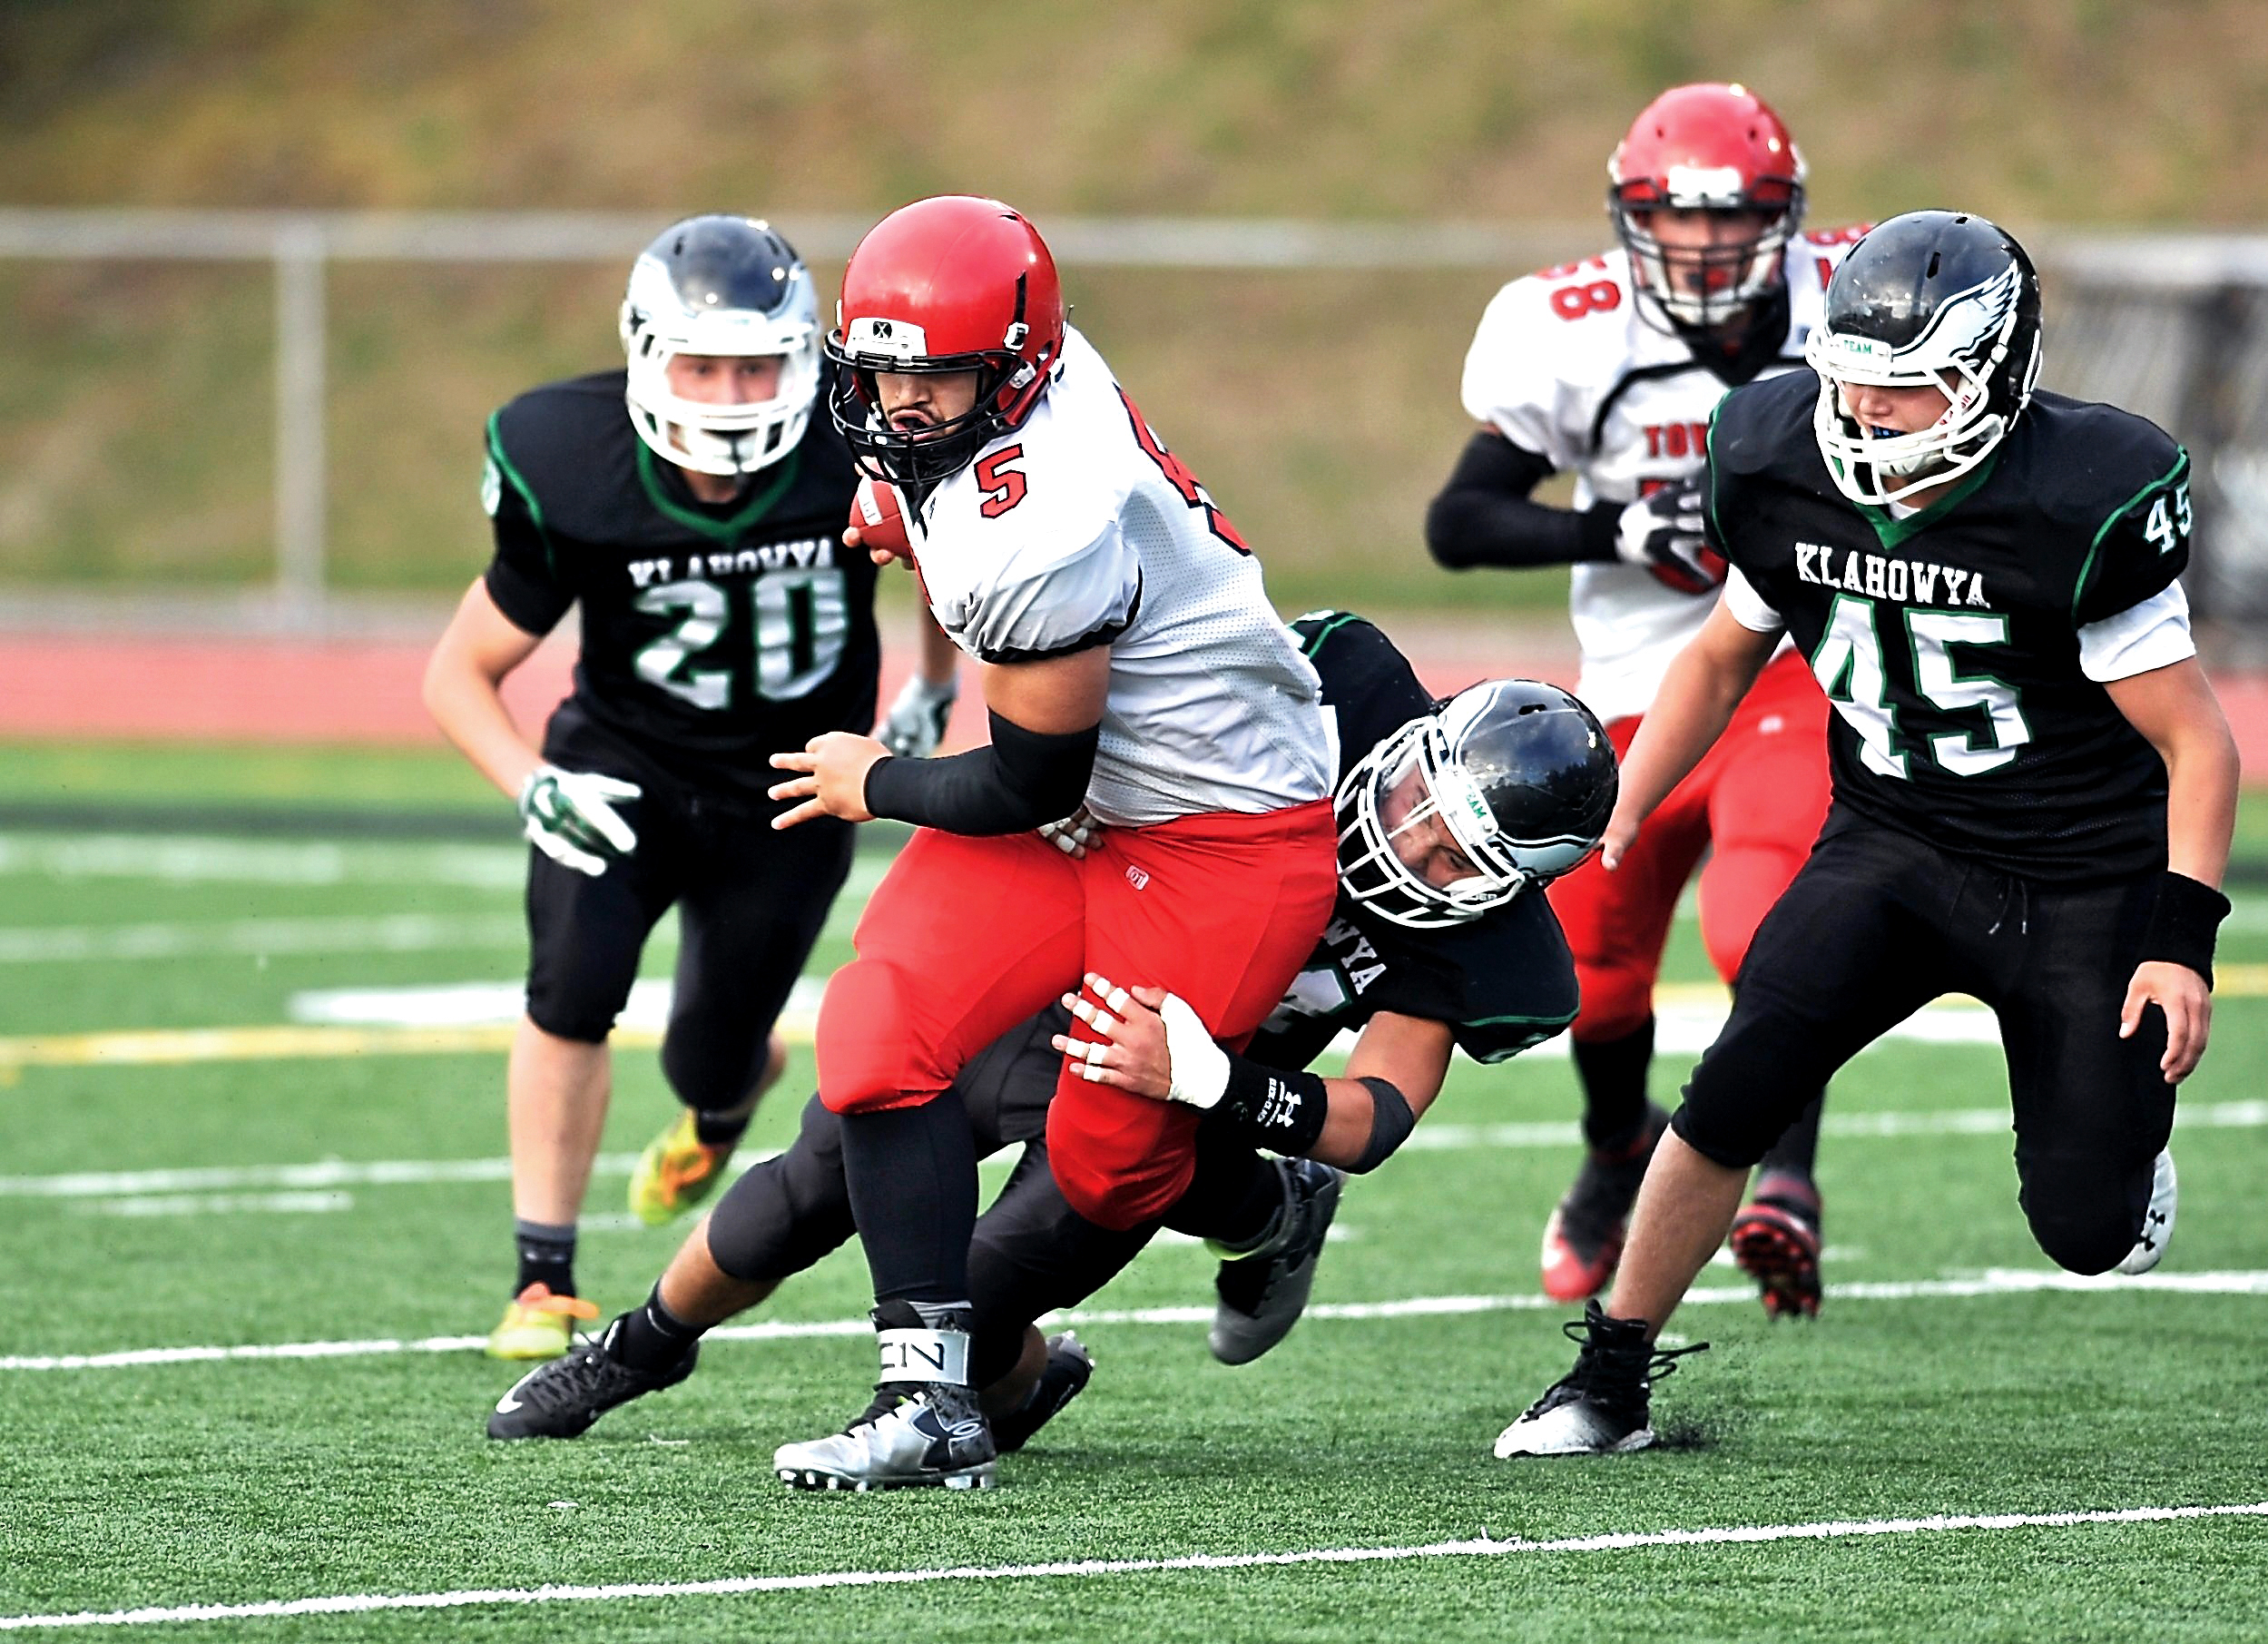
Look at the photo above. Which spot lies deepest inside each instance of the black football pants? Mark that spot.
(1877, 924)
(750, 902)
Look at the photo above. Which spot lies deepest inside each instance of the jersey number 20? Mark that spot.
(800, 619)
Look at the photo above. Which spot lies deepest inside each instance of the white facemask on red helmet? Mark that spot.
(1706, 148)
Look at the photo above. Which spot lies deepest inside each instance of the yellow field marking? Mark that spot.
(158, 1047)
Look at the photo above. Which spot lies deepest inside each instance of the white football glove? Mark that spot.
(1074, 833)
(1663, 533)
(570, 817)
(915, 723)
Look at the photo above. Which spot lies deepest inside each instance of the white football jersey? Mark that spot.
(1565, 366)
(1082, 524)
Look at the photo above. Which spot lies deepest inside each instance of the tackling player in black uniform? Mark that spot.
(1434, 951)
(722, 620)
(2034, 786)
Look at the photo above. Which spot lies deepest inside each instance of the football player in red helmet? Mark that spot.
(1134, 672)
(1611, 367)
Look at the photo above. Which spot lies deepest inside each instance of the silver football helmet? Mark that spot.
(721, 286)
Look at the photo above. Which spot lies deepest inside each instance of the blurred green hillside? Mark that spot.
(135, 399)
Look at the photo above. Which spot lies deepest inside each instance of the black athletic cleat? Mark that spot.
(1582, 1239)
(1601, 1406)
(562, 1398)
(1775, 1241)
(1263, 1292)
(1068, 1366)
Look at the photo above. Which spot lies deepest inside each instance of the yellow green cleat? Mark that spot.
(675, 1172)
(537, 1325)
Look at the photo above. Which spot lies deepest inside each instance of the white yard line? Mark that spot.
(390, 934)
(1992, 1282)
(1437, 1138)
(1479, 1547)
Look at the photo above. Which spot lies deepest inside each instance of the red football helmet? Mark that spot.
(953, 283)
(1706, 148)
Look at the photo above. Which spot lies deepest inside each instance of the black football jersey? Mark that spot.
(1503, 982)
(712, 634)
(1948, 641)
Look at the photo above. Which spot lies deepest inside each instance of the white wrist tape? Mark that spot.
(1201, 1067)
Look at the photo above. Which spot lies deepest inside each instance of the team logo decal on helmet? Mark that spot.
(1938, 299)
(723, 286)
(1708, 148)
(953, 283)
(1508, 784)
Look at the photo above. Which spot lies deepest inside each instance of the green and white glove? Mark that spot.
(915, 723)
(570, 817)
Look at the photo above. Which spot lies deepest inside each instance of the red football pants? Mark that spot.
(965, 938)
(1760, 796)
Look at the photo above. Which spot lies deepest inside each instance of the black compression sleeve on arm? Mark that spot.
(1020, 780)
(1483, 516)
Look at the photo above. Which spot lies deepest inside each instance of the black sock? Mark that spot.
(912, 1175)
(720, 1129)
(1797, 1150)
(546, 1255)
(651, 1337)
(1232, 1199)
(1614, 1076)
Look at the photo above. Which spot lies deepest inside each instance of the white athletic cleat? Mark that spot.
(910, 1438)
(2157, 1221)
(1601, 1406)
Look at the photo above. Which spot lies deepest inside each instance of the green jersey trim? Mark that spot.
(527, 491)
(1893, 530)
(2087, 566)
(1338, 619)
(718, 530)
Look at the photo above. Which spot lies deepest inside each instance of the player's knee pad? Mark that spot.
(1617, 999)
(2083, 1216)
(867, 1061)
(1117, 1165)
(782, 1215)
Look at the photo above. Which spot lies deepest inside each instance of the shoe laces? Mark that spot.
(570, 1383)
(1607, 1370)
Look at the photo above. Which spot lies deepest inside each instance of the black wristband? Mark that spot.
(2184, 920)
(1284, 1112)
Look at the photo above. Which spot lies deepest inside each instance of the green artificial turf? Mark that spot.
(238, 1481)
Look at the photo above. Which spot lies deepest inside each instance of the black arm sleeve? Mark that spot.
(1483, 516)
(1018, 781)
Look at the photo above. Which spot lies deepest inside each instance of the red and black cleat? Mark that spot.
(1775, 1242)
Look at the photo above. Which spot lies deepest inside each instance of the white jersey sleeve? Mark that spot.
(1080, 529)
(1037, 604)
